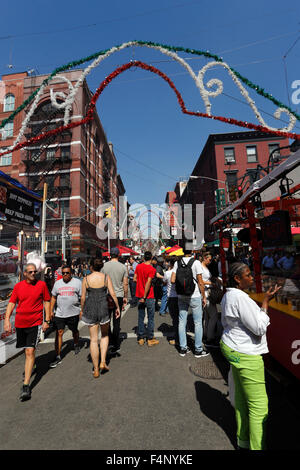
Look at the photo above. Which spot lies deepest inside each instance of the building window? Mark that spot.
(65, 207)
(35, 155)
(50, 181)
(254, 175)
(275, 149)
(8, 130)
(251, 154)
(229, 155)
(34, 182)
(50, 154)
(9, 103)
(231, 178)
(6, 159)
(65, 152)
(65, 180)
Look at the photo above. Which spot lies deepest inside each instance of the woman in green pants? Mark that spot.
(242, 343)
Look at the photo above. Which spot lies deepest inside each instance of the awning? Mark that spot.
(4, 250)
(175, 250)
(258, 186)
(124, 250)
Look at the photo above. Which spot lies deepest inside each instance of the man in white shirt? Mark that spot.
(194, 301)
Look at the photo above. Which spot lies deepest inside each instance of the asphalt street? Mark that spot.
(150, 399)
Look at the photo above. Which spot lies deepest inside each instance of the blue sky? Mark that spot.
(154, 142)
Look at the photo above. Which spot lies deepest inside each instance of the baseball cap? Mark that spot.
(115, 251)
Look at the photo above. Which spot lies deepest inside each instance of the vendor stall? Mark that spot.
(267, 225)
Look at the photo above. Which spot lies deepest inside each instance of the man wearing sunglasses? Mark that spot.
(31, 297)
(66, 295)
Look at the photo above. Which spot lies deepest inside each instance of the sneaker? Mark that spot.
(201, 353)
(56, 362)
(152, 342)
(25, 393)
(184, 351)
(115, 349)
(76, 349)
(141, 341)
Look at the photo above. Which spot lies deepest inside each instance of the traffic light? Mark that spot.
(217, 201)
(232, 193)
(220, 199)
(107, 213)
(240, 191)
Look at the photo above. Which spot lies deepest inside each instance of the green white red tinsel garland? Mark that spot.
(170, 51)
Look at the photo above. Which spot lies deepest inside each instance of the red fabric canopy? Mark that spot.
(124, 250)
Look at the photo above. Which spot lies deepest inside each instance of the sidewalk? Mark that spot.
(150, 399)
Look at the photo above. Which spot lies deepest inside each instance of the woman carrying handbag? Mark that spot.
(95, 312)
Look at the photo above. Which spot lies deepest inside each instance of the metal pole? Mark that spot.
(21, 253)
(63, 236)
(43, 228)
(43, 243)
(223, 259)
(108, 240)
(255, 248)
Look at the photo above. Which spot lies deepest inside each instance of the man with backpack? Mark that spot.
(187, 277)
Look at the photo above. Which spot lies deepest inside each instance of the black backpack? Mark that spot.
(184, 283)
(215, 291)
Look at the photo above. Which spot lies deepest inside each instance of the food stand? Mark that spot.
(20, 208)
(283, 333)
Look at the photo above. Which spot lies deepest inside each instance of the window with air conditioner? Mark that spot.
(229, 155)
(274, 150)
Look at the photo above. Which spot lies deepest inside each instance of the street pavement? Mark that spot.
(150, 399)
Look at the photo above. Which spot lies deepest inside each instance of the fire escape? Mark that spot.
(43, 164)
(106, 175)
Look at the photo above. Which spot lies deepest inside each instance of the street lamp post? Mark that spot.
(213, 179)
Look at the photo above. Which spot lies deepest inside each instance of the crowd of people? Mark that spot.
(96, 293)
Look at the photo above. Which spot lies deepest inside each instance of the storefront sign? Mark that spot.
(17, 206)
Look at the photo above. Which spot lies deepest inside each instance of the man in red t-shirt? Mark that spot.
(144, 273)
(31, 297)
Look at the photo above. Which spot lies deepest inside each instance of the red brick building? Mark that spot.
(78, 165)
(226, 161)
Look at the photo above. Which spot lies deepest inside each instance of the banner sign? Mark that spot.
(17, 206)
